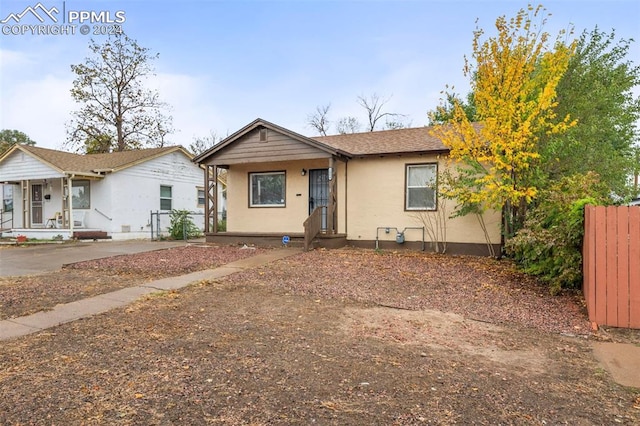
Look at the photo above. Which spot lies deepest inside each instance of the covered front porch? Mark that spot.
(54, 207)
(282, 188)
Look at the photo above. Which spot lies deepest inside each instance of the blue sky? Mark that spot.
(224, 63)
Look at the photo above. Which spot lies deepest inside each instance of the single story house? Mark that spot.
(374, 189)
(49, 193)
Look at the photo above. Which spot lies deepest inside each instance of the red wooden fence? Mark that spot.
(612, 265)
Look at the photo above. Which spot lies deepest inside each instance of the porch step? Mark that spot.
(91, 235)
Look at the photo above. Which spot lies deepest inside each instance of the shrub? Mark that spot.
(182, 227)
(550, 243)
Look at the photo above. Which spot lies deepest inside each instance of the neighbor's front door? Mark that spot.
(36, 204)
(319, 192)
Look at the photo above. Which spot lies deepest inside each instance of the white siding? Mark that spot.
(22, 166)
(129, 196)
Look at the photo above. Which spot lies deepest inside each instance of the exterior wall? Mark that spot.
(129, 196)
(21, 166)
(285, 220)
(376, 198)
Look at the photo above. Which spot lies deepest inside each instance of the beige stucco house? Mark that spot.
(374, 189)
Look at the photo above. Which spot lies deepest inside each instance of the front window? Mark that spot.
(267, 189)
(421, 187)
(80, 194)
(165, 197)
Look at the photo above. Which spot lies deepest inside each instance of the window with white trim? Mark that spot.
(81, 194)
(165, 197)
(201, 197)
(267, 189)
(421, 186)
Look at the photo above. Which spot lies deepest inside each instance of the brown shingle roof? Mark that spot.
(416, 139)
(90, 163)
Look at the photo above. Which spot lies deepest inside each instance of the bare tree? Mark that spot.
(201, 144)
(373, 105)
(348, 125)
(116, 105)
(319, 120)
(396, 124)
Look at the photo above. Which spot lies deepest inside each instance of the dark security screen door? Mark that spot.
(319, 192)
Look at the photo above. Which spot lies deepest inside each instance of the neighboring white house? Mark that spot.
(112, 193)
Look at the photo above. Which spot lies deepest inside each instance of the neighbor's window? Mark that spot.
(165, 197)
(421, 187)
(201, 197)
(7, 198)
(80, 194)
(267, 189)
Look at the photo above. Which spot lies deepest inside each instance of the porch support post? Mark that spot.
(26, 204)
(62, 202)
(331, 208)
(211, 199)
(70, 205)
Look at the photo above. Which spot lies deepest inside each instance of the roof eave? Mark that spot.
(387, 154)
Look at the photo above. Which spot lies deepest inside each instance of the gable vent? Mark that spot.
(263, 135)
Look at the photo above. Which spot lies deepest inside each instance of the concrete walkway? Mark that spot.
(60, 314)
(621, 360)
(37, 259)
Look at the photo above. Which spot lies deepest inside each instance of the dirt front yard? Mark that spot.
(345, 337)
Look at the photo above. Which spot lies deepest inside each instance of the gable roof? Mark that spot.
(383, 142)
(93, 164)
(410, 140)
(259, 123)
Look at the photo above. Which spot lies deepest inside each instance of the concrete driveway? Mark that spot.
(28, 260)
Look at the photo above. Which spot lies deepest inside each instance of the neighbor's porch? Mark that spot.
(47, 208)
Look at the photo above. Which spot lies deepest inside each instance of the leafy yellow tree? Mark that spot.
(513, 80)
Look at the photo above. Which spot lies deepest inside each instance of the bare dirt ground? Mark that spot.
(344, 337)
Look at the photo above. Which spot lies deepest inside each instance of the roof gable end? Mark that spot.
(266, 140)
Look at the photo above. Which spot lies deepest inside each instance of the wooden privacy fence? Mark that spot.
(611, 265)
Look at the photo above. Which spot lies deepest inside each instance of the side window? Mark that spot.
(267, 189)
(201, 197)
(165, 197)
(421, 186)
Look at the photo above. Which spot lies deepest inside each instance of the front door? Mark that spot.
(319, 192)
(36, 204)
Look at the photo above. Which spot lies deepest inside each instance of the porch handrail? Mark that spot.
(312, 226)
(102, 213)
(3, 220)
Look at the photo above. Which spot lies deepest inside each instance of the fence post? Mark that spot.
(184, 227)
